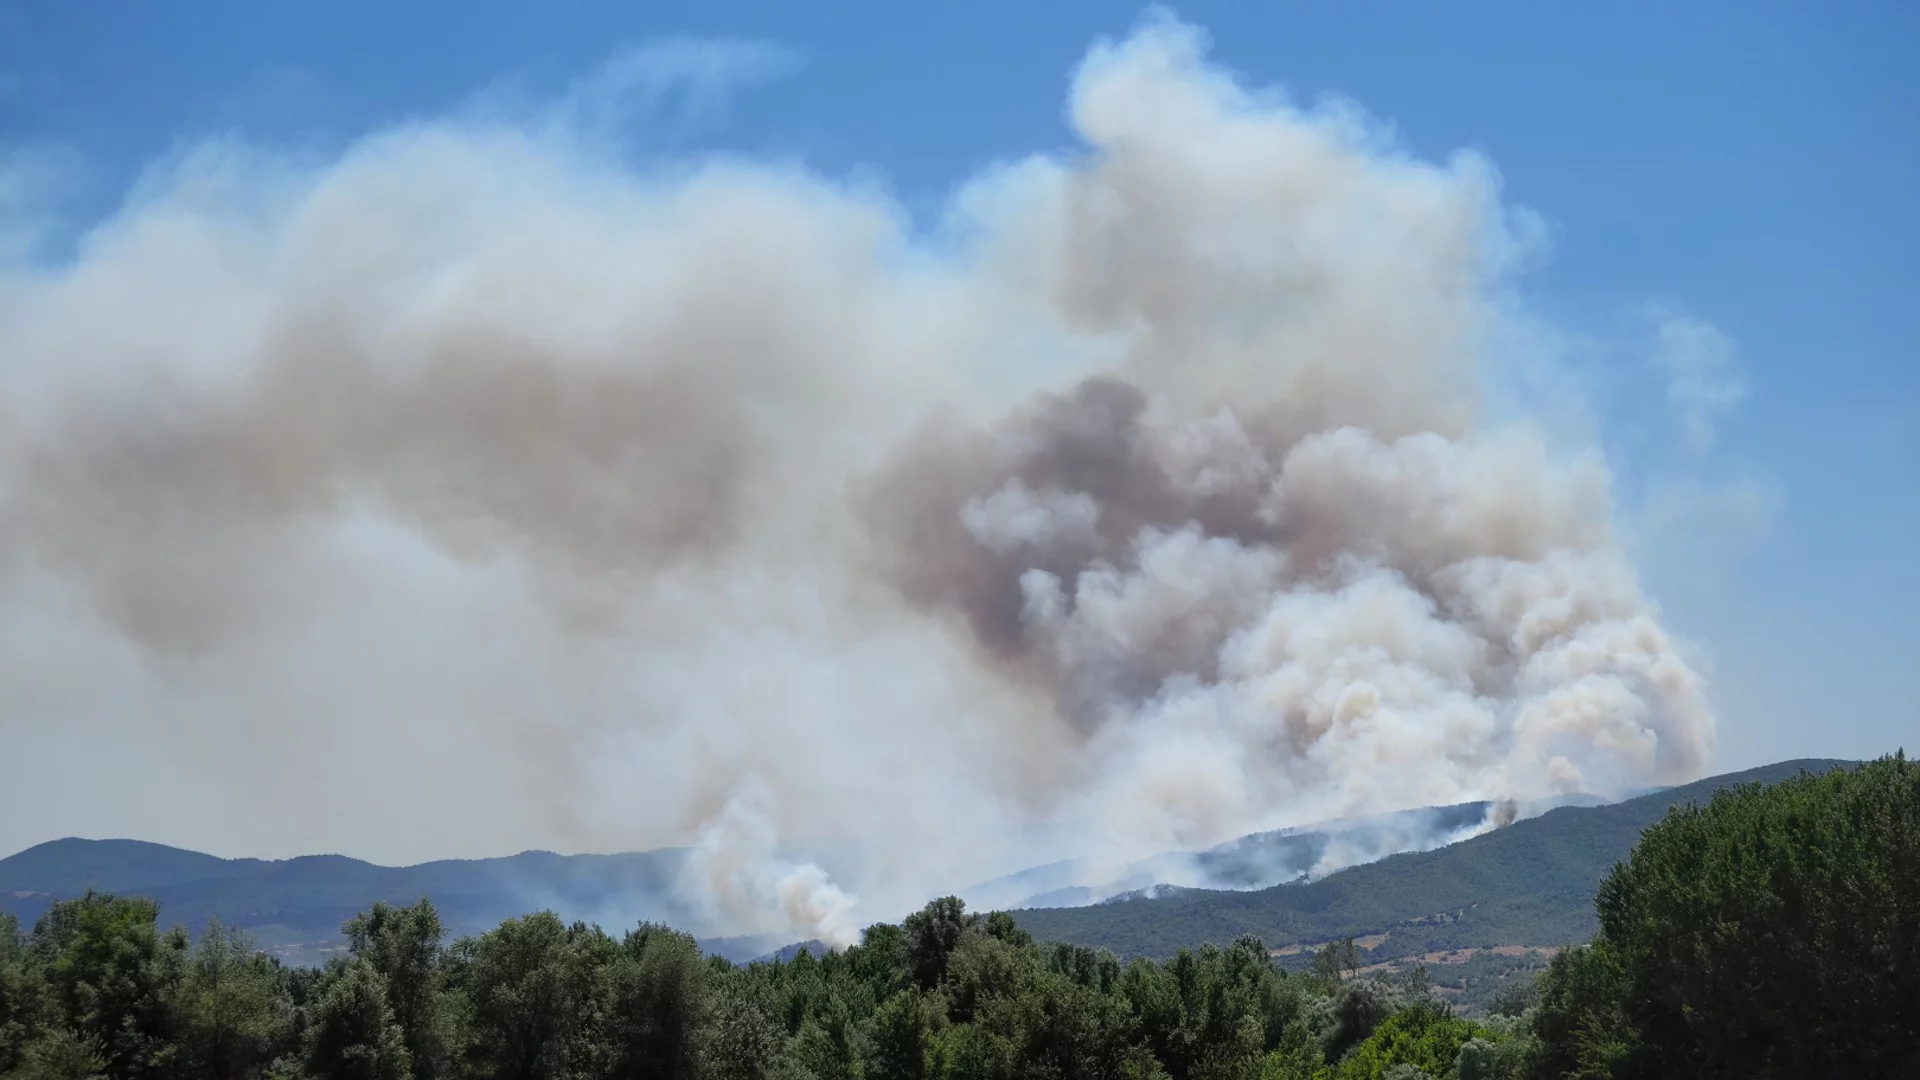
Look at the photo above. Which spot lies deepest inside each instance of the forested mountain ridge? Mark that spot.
(295, 907)
(73, 864)
(1771, 932)
(1530, 883)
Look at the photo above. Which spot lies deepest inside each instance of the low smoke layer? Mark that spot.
(1256, 861)
(471, 492)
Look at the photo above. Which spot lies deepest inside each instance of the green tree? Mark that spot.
(982, 968)
(1578, 1020)
(880, 960)
(1297, 1057)
(1775, 931)
(1061, 1028)
(528, 986)
(234, 1011)
(111, 976)
(742, 1041)
(352, 1032)
(19, 994)
(1357, 1008)
(1421, 1036)
(403, 944)
(900, 1041)
(1337, 959)
(932, 933)
(968, 1052)
(1001, 926)
(60, 1054)
(658, 989)
(1481, 1058)
(827, 1042)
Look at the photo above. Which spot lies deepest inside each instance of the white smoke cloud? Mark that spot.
(473, 492)
(737, 869)
(1705, 381)
(641, 82)
(1698, 515)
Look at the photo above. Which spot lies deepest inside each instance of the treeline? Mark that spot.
(98, 989)
(1772, 933)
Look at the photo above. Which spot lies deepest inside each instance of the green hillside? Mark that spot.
(1531, 883)
(74, 865)
(295, 906)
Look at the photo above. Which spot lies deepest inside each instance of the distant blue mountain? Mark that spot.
(296, 906)
(66, 866)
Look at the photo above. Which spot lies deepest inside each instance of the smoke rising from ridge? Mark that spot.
(474, 490)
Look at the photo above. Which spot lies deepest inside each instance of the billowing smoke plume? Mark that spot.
(473, 492)
(738, 867)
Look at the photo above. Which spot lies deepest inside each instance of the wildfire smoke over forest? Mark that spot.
(476, 487)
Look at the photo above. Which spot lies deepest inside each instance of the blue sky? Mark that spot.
(1752, 163)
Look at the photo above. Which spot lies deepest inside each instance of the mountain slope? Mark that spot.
(74, 864)
(1531, 883)
(296, 906)
(1250, 862)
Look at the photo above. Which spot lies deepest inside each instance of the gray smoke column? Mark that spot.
(471, 492)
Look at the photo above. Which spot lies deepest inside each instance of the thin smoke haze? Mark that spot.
(472, 492)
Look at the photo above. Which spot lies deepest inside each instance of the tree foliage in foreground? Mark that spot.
(1770, 933)
(96, 990)
(1773, 932)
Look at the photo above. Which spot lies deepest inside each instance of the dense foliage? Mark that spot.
(1773, 932)
(97, 990)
